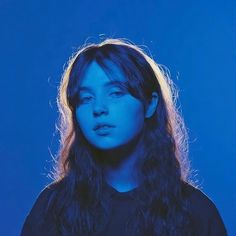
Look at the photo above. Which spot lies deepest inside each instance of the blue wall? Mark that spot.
(194, 39)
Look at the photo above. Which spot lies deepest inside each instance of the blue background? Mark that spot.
(194, 39)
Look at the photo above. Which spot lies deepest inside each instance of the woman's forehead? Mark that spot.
(110, 74)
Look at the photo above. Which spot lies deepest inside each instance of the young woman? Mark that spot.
(123, 164)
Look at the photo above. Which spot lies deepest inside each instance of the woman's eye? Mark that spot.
(85, 99)
(117, 93)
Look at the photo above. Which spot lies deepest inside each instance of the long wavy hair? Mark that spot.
(78, 201)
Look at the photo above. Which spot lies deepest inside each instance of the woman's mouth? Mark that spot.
(104, 129)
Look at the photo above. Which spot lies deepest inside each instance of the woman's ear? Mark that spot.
(152, 105)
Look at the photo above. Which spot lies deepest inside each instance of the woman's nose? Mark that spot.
(100, 107)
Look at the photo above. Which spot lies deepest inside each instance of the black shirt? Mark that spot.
(207, 219)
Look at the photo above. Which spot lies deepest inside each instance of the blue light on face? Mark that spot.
(108, 115)
(117, 89)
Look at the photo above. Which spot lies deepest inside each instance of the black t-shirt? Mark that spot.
(207, 219)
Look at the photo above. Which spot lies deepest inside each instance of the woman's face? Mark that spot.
(108, 115)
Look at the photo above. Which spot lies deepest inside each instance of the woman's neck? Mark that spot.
(121, 167)
(122, 177)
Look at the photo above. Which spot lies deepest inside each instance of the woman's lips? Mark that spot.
(102, 125)
(103, 130)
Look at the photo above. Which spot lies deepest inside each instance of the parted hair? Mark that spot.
(79, 204)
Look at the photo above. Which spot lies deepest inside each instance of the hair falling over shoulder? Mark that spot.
(79, 205)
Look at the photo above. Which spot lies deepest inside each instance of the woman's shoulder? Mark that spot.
(199, 199)
(43, 200)
(40, 220)
(204, 211)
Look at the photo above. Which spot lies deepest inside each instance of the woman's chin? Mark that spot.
(108, 147)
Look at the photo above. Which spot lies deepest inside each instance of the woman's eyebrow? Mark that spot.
(107, 84)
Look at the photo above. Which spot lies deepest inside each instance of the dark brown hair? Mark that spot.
(165, 165)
